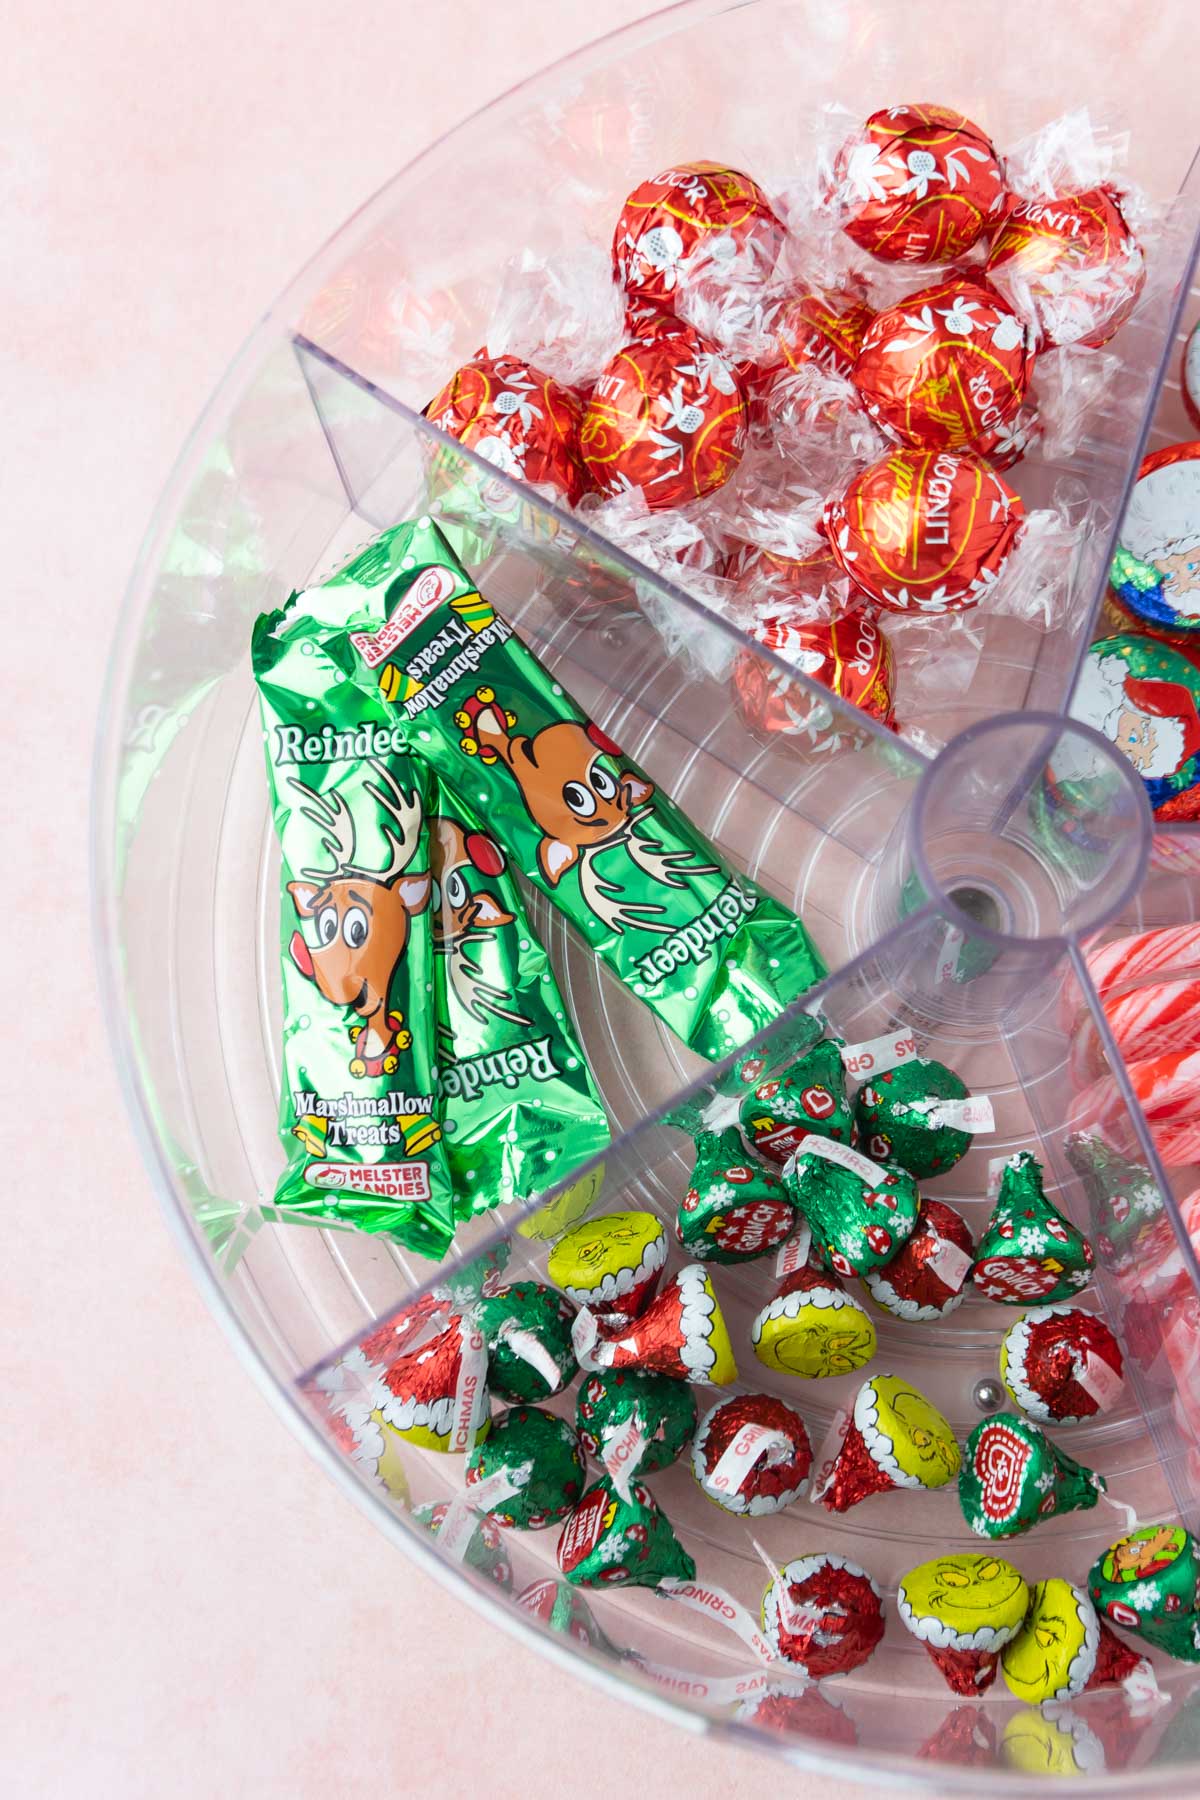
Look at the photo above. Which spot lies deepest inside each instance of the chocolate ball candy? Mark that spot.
(541, 1454)
(666, 419)
(1070, 263)
(893, 1438)
(611, 1264)
(523, 422)
(808, 1098)
(752, 1455)
(1065, 1649)
(813, 1327)
(699, 222)
(1062, 1365)
(964, 1608)
(1148, 1583)
(527, 1330)
(917, 184)
(614, 1404)
(860, 1213)
(682, 1334)
(946, 368)
(1029, 1251)
(611, 1542)
(825, 327)
(924, 531)
(848, 655)
(928, 1277)
(1012, 1477)
(823, 1615)
(899, 1119)
(734, 1210)
(486, 1553)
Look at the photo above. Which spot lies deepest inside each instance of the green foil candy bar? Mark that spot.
(1012, 1477)
(527, 1331)
(733, 1210)
(660, 1409)
(541, 1452)
(518, 1102)
(1029, 1251)
(860, 1213)
(610, 1542)
(897, 1118)
(810, 1096)
(358, 1110)
(715, 957)
(1148, 1583)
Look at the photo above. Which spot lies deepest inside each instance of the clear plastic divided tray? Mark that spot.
(939, 894)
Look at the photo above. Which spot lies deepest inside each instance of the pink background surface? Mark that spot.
(191, 1605)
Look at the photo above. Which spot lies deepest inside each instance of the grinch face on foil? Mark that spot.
(818, 1350)
(1037, 1663)
(967, 1591)
(905, 1434)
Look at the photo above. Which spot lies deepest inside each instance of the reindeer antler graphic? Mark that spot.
(334, 820)
(666, 867)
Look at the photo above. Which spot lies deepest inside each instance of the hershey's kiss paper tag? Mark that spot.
(974, 1113)
(531, 1350)
(744, 1451)
(794, 1254)
(950, 1263)
(876, 1055)
(716, 1603)
(827, 1455)
(470, 1389)
(843, 1155)
(1098, 1378)
(461, 1519)
(623, 1454)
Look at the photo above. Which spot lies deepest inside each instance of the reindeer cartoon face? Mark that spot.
(355, 921)
(567, 776)
(460, 906)
(466, 918)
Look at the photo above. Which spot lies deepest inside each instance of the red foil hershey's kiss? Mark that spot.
(823, 1614)
(517, 418)
(918, 184)
(850, 656)
(946, 367)
(667, 417)
(924, 530)
(697, 217)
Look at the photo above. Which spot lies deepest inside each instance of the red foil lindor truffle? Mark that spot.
(697, 218)
(667, 417)
(917, 184)
(823, 328)
(1070, 262)
(805, 574)
(924, 530)
(850, 656)
(945, 368)
(517, 418)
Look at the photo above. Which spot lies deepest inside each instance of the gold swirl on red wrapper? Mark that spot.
(1070, 261)
(517, 418)
(805, 574)
(924, 530)
(850, 656)
(699, 213)
(917, 184)
(826, 328)
(667, 418)
(946, 367)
